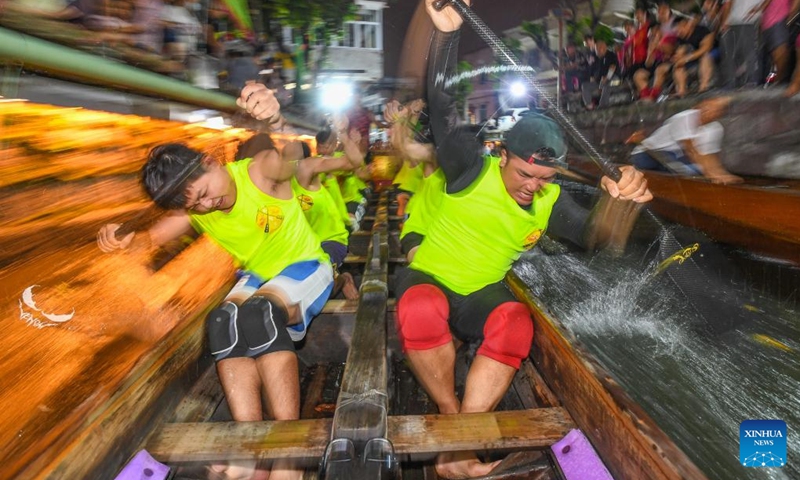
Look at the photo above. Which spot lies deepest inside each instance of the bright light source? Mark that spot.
(336, 96)
(290, 86)
(518, 89)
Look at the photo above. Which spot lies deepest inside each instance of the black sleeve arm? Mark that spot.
(457, 150)
(568, 220)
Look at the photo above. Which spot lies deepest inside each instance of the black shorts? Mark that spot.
(776, 36)
(468, 313)
(336, 250)
(409, 241)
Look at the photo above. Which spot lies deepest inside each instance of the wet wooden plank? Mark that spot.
(410, 434)
(219, 441)
(202, 400)
(338, 307)
(363, 403)
(626, 438)
(534, 382)
(533, 428)
(364, 259)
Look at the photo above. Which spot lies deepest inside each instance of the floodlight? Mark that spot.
(518, 89)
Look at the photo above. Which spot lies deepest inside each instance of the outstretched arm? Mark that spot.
(458, 151)
(171, 227)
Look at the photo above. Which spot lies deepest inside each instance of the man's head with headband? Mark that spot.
(178, 177)
(534, 151)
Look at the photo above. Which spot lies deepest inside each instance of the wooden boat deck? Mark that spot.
(170, 401)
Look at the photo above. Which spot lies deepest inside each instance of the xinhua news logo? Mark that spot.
(762, 443)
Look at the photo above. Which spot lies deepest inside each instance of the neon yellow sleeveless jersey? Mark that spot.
(480, 231)
(263, 234)
(321, 212)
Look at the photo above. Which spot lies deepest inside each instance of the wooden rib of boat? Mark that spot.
(170, 401)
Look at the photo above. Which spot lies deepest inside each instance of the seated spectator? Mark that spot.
(76, 11)
(600, 75)
(687, 144)
(775, 33)
(666, 20)
(657, 66)
(184, 28)
(574, 68)
(794, 87)
(694, 50)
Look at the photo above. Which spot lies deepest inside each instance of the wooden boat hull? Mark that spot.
(764, 219)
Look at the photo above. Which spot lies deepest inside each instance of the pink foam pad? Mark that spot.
(143, 467)
(577, 458)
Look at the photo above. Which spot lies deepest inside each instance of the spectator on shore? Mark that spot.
(687, 144)
(76, 11)
(669, 37)
(600, 75)
(739, 44)
(574, 68)
(794, 87)
(775, 33)
(694, 50)
(184, 28)
(637, 45)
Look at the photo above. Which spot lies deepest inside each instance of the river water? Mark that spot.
(698, 386)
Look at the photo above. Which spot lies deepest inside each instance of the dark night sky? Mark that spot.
(498, 14)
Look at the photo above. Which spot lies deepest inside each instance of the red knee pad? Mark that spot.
(508, 334)
(422, 314)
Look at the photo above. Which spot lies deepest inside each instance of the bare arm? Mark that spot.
(709, 165)
(171, 227)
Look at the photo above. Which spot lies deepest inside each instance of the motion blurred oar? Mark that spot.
(716, 308)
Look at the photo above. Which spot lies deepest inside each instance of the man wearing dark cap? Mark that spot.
(491, 213)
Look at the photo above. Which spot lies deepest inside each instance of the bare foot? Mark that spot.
(240, 470)
(348, 286)
(455, 465)
(285, 469)
(725, 179)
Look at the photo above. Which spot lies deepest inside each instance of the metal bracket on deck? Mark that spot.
(376, 462)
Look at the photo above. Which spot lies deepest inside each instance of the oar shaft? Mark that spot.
(507, 57)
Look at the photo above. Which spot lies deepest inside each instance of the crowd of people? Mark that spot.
(208, 47)
(726, 44)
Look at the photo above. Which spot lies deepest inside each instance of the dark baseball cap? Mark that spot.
(538, 140)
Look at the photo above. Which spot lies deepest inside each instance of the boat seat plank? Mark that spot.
(337, 307)
(203, 442)
(364, 258)
(533, 428)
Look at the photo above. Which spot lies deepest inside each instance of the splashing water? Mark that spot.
(698, 389)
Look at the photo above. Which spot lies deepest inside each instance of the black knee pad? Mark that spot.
(223, 334)
(262, 325)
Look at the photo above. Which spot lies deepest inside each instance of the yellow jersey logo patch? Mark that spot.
(532, 239)
(270, 218)
(306, 202)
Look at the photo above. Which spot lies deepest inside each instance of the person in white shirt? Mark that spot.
(687, 144)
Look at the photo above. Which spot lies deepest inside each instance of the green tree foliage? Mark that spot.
(538, 32)
(314, 21)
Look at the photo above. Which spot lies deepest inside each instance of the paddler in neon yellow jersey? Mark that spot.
(327, 144)
(249, 209)
(354, 188)
(490, 213)
(425, 203)
(411, 173)
(319, 205)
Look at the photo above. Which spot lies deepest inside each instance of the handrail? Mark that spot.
(71, 64)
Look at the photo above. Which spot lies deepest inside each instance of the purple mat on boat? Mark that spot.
(577, 458)
(143, 467)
